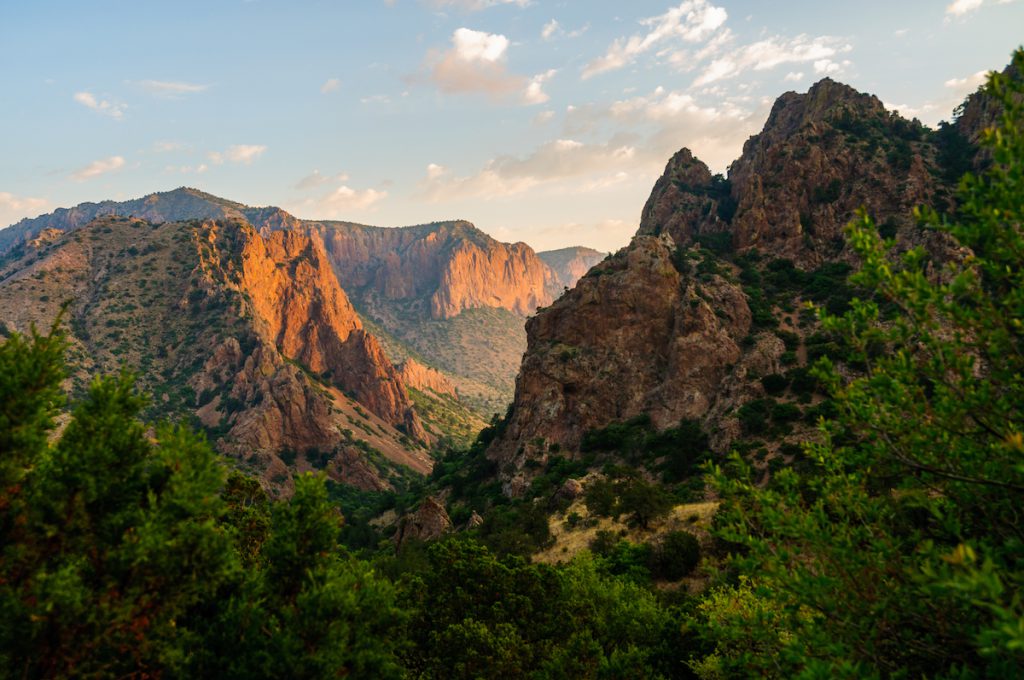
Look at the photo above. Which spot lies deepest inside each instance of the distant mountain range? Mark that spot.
(281, 335)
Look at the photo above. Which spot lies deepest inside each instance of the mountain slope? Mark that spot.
(412, 284)
(698, 318)
(253, 337)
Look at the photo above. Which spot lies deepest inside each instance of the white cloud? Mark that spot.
(534, 93)
(476, 62)
(775, 51)
(693, 21)
(97, 168)
(968, 84)
(330, 85)
(959, 8)
(549, 30)
(89, 100)
(341, 202)
(899, 33)
(375, 99)
(14, 208)
(316, 178)
(171, 89)
(239, 153)
(794, 77)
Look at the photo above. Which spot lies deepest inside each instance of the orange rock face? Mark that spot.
(293, 289)
(450, 266)
(423, 378)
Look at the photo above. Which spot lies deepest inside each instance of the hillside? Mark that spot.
(252, 337)
(412, 285)
(700, 318)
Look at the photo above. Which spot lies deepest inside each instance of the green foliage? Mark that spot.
(675, 452)
(127, 550)
(675, 555)
(477, 615)
(900, 554)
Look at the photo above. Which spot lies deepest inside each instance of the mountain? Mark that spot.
(569, 264)
(445, 294)
(251, 336)
(699, 319)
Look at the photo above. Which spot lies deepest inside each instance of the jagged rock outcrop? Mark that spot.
(293, 289)
(423, 378)
(665, 328)
(634, 336)
(428, 523)
(568, 265)
(685, 201)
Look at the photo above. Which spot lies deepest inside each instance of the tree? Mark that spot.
(903, 554)
(126, 550)
(644, 502)
(110, 540)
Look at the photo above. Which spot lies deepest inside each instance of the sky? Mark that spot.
(538, 120)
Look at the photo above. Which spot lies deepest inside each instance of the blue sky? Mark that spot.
(538, 120)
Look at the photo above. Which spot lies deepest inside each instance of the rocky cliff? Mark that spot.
(442, 268)
(423, 378)
(253, 336)
(698, 318)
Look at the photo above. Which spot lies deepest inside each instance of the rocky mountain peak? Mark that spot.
(676, 325)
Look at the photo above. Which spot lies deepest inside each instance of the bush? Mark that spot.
(775, 383)
(675, 556)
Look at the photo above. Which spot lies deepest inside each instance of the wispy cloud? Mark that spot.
(244, 154)
(507, 175)
(316, 178)
(167, 89)
(775, 51)
(167, 147)
(14, 208)
(553, 29)
(932, 111)
(330, 85)
(692, 21)
(97, 168)
(102, 106)
(187, 169)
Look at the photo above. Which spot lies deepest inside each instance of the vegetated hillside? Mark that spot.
(411, 284)
(251, 336)
(701, 319)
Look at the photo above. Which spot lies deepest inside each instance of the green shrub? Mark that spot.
(675, 556)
